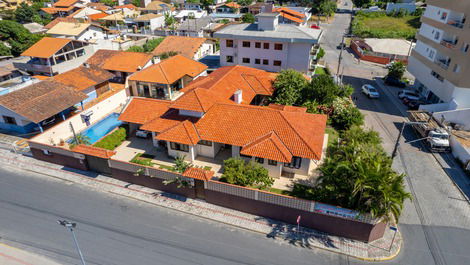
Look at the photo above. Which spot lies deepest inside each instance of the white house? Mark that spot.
(77, 31)
(268, 45)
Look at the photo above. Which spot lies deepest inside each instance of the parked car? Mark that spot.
(408, 94)
(413, 104)
(341, 46)
(142, 134)
(370, 91)
(314, 26)
(394, 82)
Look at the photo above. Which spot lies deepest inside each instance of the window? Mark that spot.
(258, 45)
(9, 120)
(246, 60)
(265, 61)
(229, 43)
(46, 152)
(431, 54)
(206, 143)
(257, 61)
(437, 35)
(465, 47)
(266, 45)
(278, 46)
(229, 59)
(295, 163)
(179, 147)
(444, 15)
(456, 68)
(276, 63)
(437, 76)
(246, 44)
(272, 162)
(259, 160)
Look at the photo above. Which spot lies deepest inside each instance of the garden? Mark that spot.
(381, 25)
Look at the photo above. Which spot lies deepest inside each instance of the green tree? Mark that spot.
(4, 50)
(150, 45)
(248, 18)
(109, 2)
(289, 85)
(170, 20)
(327, 8)
(362, 3)
(244, 2)
(24, 13)
(167, 55)
(181, 165)
(396, 70)
(17, 36)
(136, 49)
(81, 139)
(323, 90)
(251, 174)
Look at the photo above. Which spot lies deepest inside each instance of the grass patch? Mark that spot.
(380, 25)
(279, 191)
(314, 18)
(333, 135)
(112, 140)
(169, 168)
(320, 71)
(141, 160)
(207, 168)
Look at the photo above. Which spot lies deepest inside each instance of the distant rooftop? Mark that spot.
(283, 32)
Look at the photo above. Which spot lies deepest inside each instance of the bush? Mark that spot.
(150, 45)
(167, 55)
(142, 161)
(112, 140)
(323, 90)
(321, 53)
(289, 85)
(17, 37)
(135, 49)
(248, 18)
(251, 174)
(345, 114)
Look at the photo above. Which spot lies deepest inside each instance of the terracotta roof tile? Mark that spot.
(41, 77)
(60, 19)
(232, 5)
(97, 16)
(128, 6)
(289, 11)
(170, 70)
(46, 47)
(292, 18)
(121, 61)
(186, 46)
(287, 108)
(83, 77)
(65, 3)
(235, 124)
(198, 173)
(53, 10)
(41, 100)
(198, 99)
(143, 110)
(268, 146)
(93, 151)
(184, 133)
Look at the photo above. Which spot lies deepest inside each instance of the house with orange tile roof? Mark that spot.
(228, 8)
(120, 63)
(52, 56)
(165, 79)
(84, 13)
(63, 8)
(91, 80)
(217, 116)
(290, 16)
(192, 48)
(77, 31)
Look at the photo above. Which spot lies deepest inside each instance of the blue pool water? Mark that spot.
(103, 127)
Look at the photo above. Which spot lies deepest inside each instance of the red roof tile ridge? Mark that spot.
(163, 72)
(282, 113)
(268, 136)
(185, 122)
(259, 81)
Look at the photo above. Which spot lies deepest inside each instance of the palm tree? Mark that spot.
(81, 139)
(170, 20)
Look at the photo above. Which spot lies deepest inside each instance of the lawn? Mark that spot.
(320, 71)
(379, 25)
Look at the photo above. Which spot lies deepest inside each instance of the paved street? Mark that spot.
(435, 224)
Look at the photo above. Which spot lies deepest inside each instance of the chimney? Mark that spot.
(267, 21)
(238, 96)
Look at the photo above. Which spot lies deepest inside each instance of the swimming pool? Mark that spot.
(103, 127)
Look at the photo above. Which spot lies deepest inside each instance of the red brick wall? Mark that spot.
(370, 58)
(60, 159)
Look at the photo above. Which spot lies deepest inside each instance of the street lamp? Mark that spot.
(71, 226)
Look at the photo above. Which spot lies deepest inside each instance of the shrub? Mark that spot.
(251, 174)
(345, 114)
(248, 18)
(142, 161)
(150, 45)
(135, 49)
(181, 165)
(289, 85)
(323, 90)
(112, 140)
(321, 53)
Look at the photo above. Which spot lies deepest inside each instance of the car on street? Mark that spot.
(408, 94)
(413, 104)
(394, 82)
(370, 91)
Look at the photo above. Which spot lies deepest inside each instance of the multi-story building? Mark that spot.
(268, 45)
(440, 61)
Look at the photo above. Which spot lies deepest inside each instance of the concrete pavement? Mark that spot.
(14, 256)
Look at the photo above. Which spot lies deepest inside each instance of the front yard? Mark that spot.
(379, 25)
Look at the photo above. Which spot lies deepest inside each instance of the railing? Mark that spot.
(449, 44)
(443, 65)
(455, 23)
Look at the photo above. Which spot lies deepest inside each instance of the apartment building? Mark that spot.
(268, 45)
(440, 61)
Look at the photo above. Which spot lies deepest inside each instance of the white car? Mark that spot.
(370, 91)
(142, 134)
(408, 94)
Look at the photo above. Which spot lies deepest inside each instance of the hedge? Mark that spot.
(112, 140)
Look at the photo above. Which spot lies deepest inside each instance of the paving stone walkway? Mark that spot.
(383, 249)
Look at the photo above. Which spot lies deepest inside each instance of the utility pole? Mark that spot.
(340, 56)
(71, 226)
(397, 143)
(74, 134)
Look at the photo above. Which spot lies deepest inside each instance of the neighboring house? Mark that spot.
(120, 63)
(37, 106)
(440, 60)
(382, 51)
(409, 7)
(212, 120)
(290, 16)
(63, 8)
(230, 8)
(193, 27)
(258, 7)
(61, 19)
(156, 7)
(52, 56)
(182, 15)
(90, 80)
(193, 6)
(268, 45)
(164, 80)
(12, 79)
(150, 22)
(77, 31)
(35, 28)
(85, 13)
(192, 48)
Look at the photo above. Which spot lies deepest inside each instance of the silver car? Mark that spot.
(370, 91)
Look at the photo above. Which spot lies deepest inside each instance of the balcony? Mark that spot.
(456, 23)
(451, 44)
(443, 63)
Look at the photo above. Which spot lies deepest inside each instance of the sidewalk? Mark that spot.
(306, 238)
(14, 256)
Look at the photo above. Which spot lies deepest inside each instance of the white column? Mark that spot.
(192, 152)
(154, 141)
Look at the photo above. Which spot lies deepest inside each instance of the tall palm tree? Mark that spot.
(81, 139)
